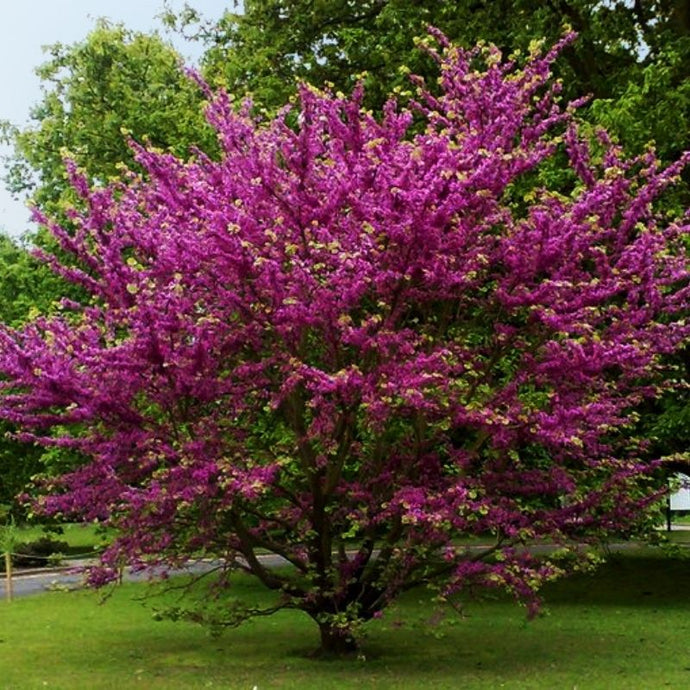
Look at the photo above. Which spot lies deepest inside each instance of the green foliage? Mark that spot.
(8, 530)
(39, 553)
(668, 420)
(19, 462)
(653, 106)
(27, 288)
(116, 83)
(632, 57)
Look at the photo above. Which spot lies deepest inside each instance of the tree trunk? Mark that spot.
(336, 642)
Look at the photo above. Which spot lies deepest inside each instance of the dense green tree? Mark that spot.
(633, 57)
(116, 83)
(27, 287)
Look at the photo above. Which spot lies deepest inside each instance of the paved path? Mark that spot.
(39, 580)
(36, 582)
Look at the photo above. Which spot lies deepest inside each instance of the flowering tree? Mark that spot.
(352, 340)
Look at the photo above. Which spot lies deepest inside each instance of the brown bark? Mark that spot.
(336, 642)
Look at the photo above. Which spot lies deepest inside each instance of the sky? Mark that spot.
(28, 25)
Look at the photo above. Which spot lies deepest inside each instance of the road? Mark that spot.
(36, 581)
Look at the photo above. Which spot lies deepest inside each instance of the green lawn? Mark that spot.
(681, 519)
(627, 626)
(78, 535)
(73, 541)
(678, 537)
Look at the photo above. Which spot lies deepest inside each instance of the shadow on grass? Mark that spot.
(645, 578)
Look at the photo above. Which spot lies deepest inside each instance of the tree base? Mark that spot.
(336, 643)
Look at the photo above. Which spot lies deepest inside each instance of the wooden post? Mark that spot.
(8, 575)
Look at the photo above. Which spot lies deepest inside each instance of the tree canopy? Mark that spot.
(350, 340)
(115, 85)
(632, 57)
(27, 288)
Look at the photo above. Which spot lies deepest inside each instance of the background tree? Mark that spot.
(632, 57)
(27, 288)
(352, 341)
(114, 85)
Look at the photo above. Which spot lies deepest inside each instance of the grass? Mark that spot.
(681, 518)
(83, 538)
(679, 537)
(627, 626)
